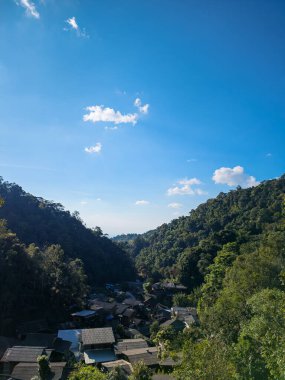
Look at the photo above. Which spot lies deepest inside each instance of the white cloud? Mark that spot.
(234, 177)
(268, 154)
(142, 203)
(83, 203)
(185, 187)
(106, 114)
(142, 108)
(72, 22)
(74, 26)
(94, 149)
(30, 8)
(175, 205)
(98, 199)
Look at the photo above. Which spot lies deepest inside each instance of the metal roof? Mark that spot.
(23, 354)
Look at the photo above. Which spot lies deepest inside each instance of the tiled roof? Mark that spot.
(130, 344)
(26, 371)
(147, 355)
(5, 343)
(23, 354)
(98, 336)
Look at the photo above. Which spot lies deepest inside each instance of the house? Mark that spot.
(123, 364)
(130, 344)
(97, 338)
(26, 371)
(21, 354)
(149, 355)
(97, 345)
(85, 317)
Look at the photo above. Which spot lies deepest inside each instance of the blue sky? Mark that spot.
(134, 112)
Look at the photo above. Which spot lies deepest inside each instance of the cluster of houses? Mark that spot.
(112, 331)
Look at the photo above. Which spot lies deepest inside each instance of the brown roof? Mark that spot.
(147, 355)
(25, 371)
(98, 336)
(126, 366)
(23, 354)
(130, 344)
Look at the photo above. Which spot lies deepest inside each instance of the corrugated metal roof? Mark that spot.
(98, 356)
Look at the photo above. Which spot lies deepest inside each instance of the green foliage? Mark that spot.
(44, 368)
(185, 248)
(181, 299)
(36, 220)
(117, 374)
(208, 359)
(84, 372)
(140, 372)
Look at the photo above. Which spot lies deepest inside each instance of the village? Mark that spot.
(113, 330)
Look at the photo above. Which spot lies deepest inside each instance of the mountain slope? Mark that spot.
(43, 223)
(184, 248)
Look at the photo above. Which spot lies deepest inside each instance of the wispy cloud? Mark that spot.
(94, 149)
(268, 155)
(111, 128)
(142, 108)
(185, 187)
(142, 203)
(175, 205)
(234, 177)
(105, 114)
(30, 8)
(73, 25)
(192, 160)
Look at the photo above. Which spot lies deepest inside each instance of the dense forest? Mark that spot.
(183, 249)
(48, 259)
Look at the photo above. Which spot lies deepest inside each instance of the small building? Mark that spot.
(130, 344)
(97, 345)
(176, 324)
(26, 371)
(21, 354)
(84, 317)
(74, 337)
(97, 338)
(148, 355)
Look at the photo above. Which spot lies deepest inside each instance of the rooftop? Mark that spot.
(147, 355)
(98, 336)
(26, 371)
(130, 344)
(126, 366)
(23, 354)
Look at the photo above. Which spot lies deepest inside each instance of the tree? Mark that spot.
(44, 368)
(140, 372)
(84, 372)
(117, 374)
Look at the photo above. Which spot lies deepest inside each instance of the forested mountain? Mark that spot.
(184, 248)
(45, 254)
(41, 222)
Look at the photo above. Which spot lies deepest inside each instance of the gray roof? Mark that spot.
(6, 342)
(25, 371)
(23, 354)
(126, 366)
(130, 344)
(98, 336)
(147, 355)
